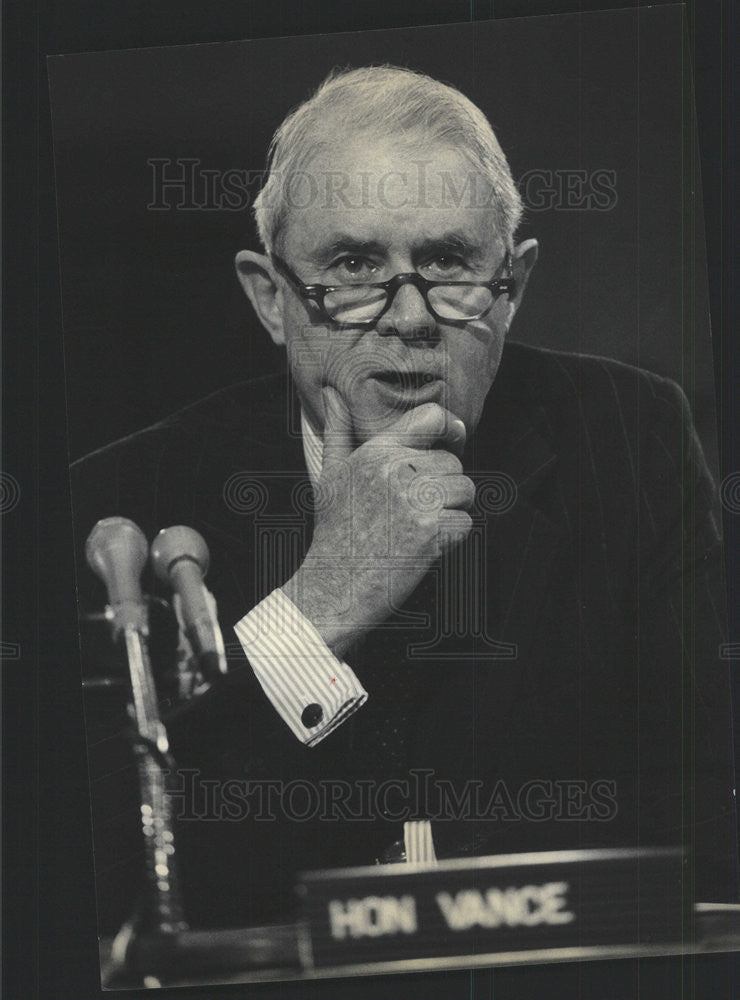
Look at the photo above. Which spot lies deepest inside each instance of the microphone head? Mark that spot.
(116, 551)
(173, 544)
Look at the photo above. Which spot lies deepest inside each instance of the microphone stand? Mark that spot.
(157, 943)
(117, 551)
(163, 906)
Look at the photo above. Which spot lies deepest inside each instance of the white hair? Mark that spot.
(391, 101)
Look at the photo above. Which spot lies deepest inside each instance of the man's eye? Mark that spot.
(445, 264)
(355, 267)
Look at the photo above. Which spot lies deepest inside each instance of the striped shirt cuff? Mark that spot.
(419, 843)
(310, 688)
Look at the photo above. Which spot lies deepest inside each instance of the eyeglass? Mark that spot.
(363, 304)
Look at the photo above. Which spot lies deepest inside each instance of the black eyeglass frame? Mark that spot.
(316, 293)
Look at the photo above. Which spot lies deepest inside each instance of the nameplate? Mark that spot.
(505, 903)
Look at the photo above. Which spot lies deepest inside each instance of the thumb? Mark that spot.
(338, 436)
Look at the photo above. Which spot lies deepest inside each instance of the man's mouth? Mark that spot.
(406, 380)
(408, 388)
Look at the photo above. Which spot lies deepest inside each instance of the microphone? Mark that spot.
(116, 550)
(179, 557)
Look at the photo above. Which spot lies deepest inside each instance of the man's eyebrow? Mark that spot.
(451, 242)
(344, 242)
(448, 242)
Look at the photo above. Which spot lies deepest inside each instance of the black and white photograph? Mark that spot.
(397, 501)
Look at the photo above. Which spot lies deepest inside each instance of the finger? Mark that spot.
(437, 493)
(411, 462)
(441, 462)
(338, 432)
(459, 492)
(427, 426)
(454, 526)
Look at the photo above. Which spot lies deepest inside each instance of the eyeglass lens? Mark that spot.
(361, 304)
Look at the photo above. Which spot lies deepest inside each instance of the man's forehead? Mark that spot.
(367, 188)
(374, 172)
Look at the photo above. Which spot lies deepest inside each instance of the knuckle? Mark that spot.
(463, 521)
(434, 416)
(427, 494)
(398, 465)
(433, 409)
(456, 524)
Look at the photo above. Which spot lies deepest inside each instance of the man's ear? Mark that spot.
(257, 277)
(523, 259)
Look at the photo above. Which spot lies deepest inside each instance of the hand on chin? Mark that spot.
(380, 404)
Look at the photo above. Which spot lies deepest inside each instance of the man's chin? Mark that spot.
(388, 402)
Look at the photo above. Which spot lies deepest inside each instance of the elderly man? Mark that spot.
(475, 586)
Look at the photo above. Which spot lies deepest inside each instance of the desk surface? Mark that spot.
(271, 954)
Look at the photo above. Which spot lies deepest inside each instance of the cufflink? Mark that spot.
(312, 716)
(394, 854)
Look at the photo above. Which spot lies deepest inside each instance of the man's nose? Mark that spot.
(408, 316)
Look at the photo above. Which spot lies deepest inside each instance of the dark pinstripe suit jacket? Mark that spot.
(573, 640)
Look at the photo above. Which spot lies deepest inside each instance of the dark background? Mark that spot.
(49, 938)
(153, 314)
